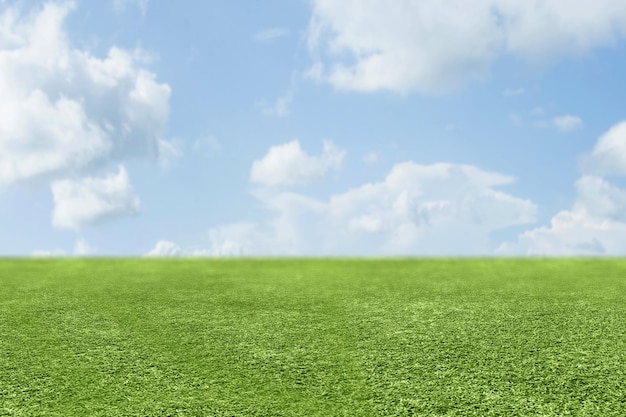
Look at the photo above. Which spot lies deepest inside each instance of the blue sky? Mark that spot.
(312, 127)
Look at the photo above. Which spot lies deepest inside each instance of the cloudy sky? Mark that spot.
(312, 127)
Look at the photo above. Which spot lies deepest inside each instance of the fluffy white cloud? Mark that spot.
(609, 155)
(571, 233)
(596, 222)
(595, 225)
(567, 123)
(416, 209)
(87, 201)
(435, 45)
(65, 110)
(165, 248)
(600, 199)
(289, 165)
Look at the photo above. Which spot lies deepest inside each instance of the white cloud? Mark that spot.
(64, 110)
(87, 201)
(417, 209)
(120, 5)
(435, 45)
(512, 92)
(164, 248)
(567, 123)
(571, 233)
(270, 34)
(596, 222)
(600, 199)
(609, 155)
(289, 165)
(595, 225)
(235, 239)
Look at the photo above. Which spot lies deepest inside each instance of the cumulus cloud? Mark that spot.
(596, 222)
(609, 155)
(600, 199)
(435, 45)
(595, 225)
(64, 110)
(567, 123)
(87, 201)
(164, 248)
(417, 209)
(289, 165)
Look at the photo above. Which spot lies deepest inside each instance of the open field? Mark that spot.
(312, 337)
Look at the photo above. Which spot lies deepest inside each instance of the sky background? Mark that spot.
(312, 127)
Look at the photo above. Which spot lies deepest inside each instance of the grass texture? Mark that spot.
(420, 337)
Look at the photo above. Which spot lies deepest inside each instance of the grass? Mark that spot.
(313, 337)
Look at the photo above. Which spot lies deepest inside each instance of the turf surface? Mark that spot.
(312, 338)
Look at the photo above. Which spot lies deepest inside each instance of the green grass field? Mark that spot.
(313, 337)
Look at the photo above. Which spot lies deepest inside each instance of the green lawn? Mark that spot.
(313, 337)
